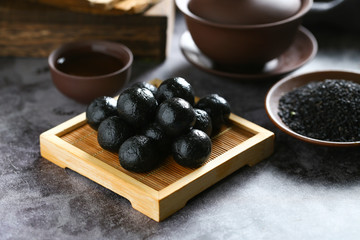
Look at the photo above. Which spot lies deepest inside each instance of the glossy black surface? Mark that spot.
(146, 85)
(162, 141)
(192, 149)
(217, 107)
(139, 154)
(137, 106)
(100, 109)
(175, 87)
(112, 132)
(302, 191)
(203, 121)
(175, 116)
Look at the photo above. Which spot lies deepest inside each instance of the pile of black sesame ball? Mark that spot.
(147, 124)
(327, 110)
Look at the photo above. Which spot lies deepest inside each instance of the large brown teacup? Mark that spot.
(232, 44)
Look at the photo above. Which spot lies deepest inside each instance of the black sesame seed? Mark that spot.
(327, 110)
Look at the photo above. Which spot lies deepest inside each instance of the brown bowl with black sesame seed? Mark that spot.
(318, 107)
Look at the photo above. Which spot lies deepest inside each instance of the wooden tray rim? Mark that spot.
(156, 204)
(54, 135)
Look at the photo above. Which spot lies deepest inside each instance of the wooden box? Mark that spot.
(163, 191)
(32, 28)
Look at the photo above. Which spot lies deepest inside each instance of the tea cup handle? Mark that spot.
(325, 6)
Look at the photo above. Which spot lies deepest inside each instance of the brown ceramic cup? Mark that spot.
(86, 88)
(242, 45)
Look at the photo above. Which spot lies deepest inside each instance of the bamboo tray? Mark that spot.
(163, 191)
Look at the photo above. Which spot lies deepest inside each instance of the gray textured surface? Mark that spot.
(301, 192)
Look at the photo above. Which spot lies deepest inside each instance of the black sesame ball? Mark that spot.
(192, 149)
(146, 85)
(175, 87)
(139, 154)
(203, 121)
(100, 109)
(137, 106)
(112, 132)
(155, 132)
(175, 116)
(217, 107)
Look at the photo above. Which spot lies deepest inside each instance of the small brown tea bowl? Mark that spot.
(88, 69)
(241, 44)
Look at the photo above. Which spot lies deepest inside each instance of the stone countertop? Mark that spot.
(302, 191)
